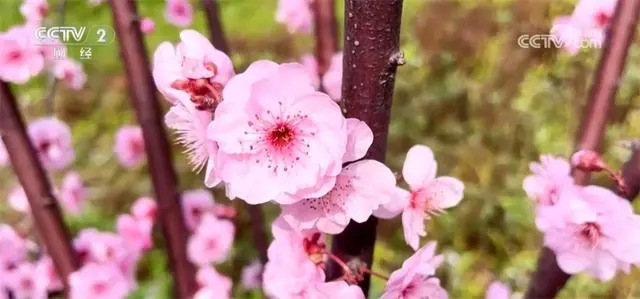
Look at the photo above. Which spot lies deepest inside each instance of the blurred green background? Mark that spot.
(485, 106)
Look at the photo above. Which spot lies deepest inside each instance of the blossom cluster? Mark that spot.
(587, 23)
(590, 228)
(23, 57)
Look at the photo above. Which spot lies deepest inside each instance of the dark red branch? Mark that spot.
(371, 56)
(148, 113)
(326, 30)
(216, 31)
(44, 207)
(549, 279)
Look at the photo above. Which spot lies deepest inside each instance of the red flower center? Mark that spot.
(100, 287)
(591, 233)
(281, 136)
(14, 55)
(26, 283)
(602, 19)
(205, 93)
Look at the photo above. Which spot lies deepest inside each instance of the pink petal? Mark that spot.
(359, 139)
(419, 166)
(446, 192)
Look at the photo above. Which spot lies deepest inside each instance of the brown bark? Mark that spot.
(371, 56)
(549, 279)
(216, 31)
(148, 113)
(326, 31)
(44, 208)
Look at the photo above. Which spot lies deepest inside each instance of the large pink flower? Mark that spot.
(196, 204)
(72, 193)
(586, 26)
(296, 15)
(70, 72)
(295, 263)
(24, 282)
(34, 10)
(98, 281)
(428, 196)
(332, 79)
(52, 141)
(129, 146)
(20, 59)
(211, 242)
(416, 277)
(210, 280)
(498, 290)
(179, 12)
(135, 232)
(276, 134)
(360, 189)
(593, 231)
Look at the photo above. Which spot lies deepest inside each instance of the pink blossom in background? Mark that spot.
(20, 60)
(429, 195)
(251, 277)
(359, 189)
(4, 156)
(18, 200)
(46, 272)
(135, 232)
(147, 25)
(145, 209)
(271, 149)
(295, 261)
(96, 2)
(338, 289)
(586, 26)
(52, 141)
(34, 11)
(13, 249)
(207, 277)
(70, 72)
(592, 230)
(72, 193)
(211, 242)
(25, 284)
(498, 290)
(47, 48)
(179, 12)
(296, 15)
(332, 79)
(569, 33)
(415, 279)
(196, 204)
(587, 160)
(311, 65)
(548, 178)
(98, 281)
(129, 146)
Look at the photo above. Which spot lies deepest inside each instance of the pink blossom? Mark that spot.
(359, 189)
(70, 72)
(20, 60)
(129, 146)
(593, 231)
(587, 160)
(416, 277)
(13, 249)
(498, 290)
(98, 281)
(338, 289)
(565, 30)
(271, 149)
(251, 277)
(207, 277)
(25, 284)
(179, 12)
(332, 79)
(595, 14)
(147, 25)
(46, 272)
(548, 178)
(295, 261)
(311, 65)
(144, 209)
(135, 232)
(211, 242)
(52, 141)
(34, 10)
(296, 15)
(587, 24)
(429, 194)
(4, 156)
(18, 200)
(72, 193)
(196, 204)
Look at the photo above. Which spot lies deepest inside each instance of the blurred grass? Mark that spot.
(485, 106)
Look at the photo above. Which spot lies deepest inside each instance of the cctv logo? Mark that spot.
(65, 34)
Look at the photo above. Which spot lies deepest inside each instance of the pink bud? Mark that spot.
(587, 160)
(147, 25)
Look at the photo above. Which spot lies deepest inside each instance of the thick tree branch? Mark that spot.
(216, 31)
(44, 208)
(326, 30)
(549, 279)
(371, 56)
(163, 176)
